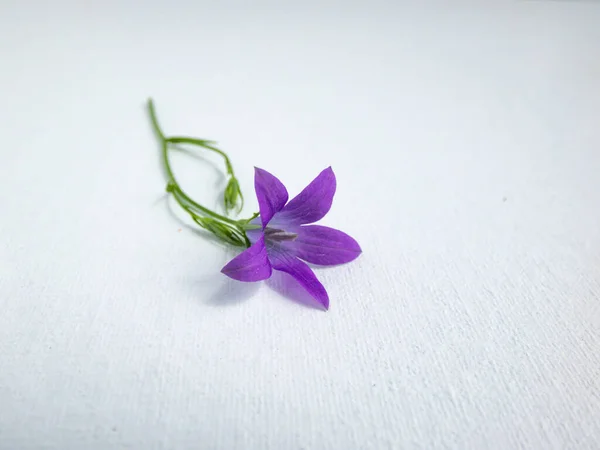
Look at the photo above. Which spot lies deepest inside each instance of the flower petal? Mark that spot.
(250, 265)
(271, 194)
(312, 203)
(325, 246)
(254, 234)
(286, 262)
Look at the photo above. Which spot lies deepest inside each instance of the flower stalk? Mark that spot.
(224, 228)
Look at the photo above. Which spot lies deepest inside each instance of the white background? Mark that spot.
(466, 143)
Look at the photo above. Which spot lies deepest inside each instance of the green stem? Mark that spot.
(233, 190)
(172, 181)
(205, 144)
(155, 125)
(199, 207)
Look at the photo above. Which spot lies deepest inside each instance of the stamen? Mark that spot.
(273, 234)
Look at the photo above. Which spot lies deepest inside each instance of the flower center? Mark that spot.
(273, 234)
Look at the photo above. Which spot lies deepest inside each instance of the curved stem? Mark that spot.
(228, 230)
(163, 142)
(232, 190)
(202, 143)
(155, 125)
(171, 176)
(199, 207)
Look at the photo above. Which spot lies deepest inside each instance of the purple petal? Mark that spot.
(312, 203)
(271, 194)
(250, 265)
(325, 246)
(255, 234)
(288, 263)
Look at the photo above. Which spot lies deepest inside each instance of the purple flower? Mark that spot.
(283, 237)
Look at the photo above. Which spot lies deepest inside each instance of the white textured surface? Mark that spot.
(467, 149)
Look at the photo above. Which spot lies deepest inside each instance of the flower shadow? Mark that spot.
(196, 230)
(286, 286)
(232, 292)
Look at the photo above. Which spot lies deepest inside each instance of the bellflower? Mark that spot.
(281, 236)
(285, 239)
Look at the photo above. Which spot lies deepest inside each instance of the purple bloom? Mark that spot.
(284, 237)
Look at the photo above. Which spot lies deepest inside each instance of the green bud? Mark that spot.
(233, 195)
(222, 231)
